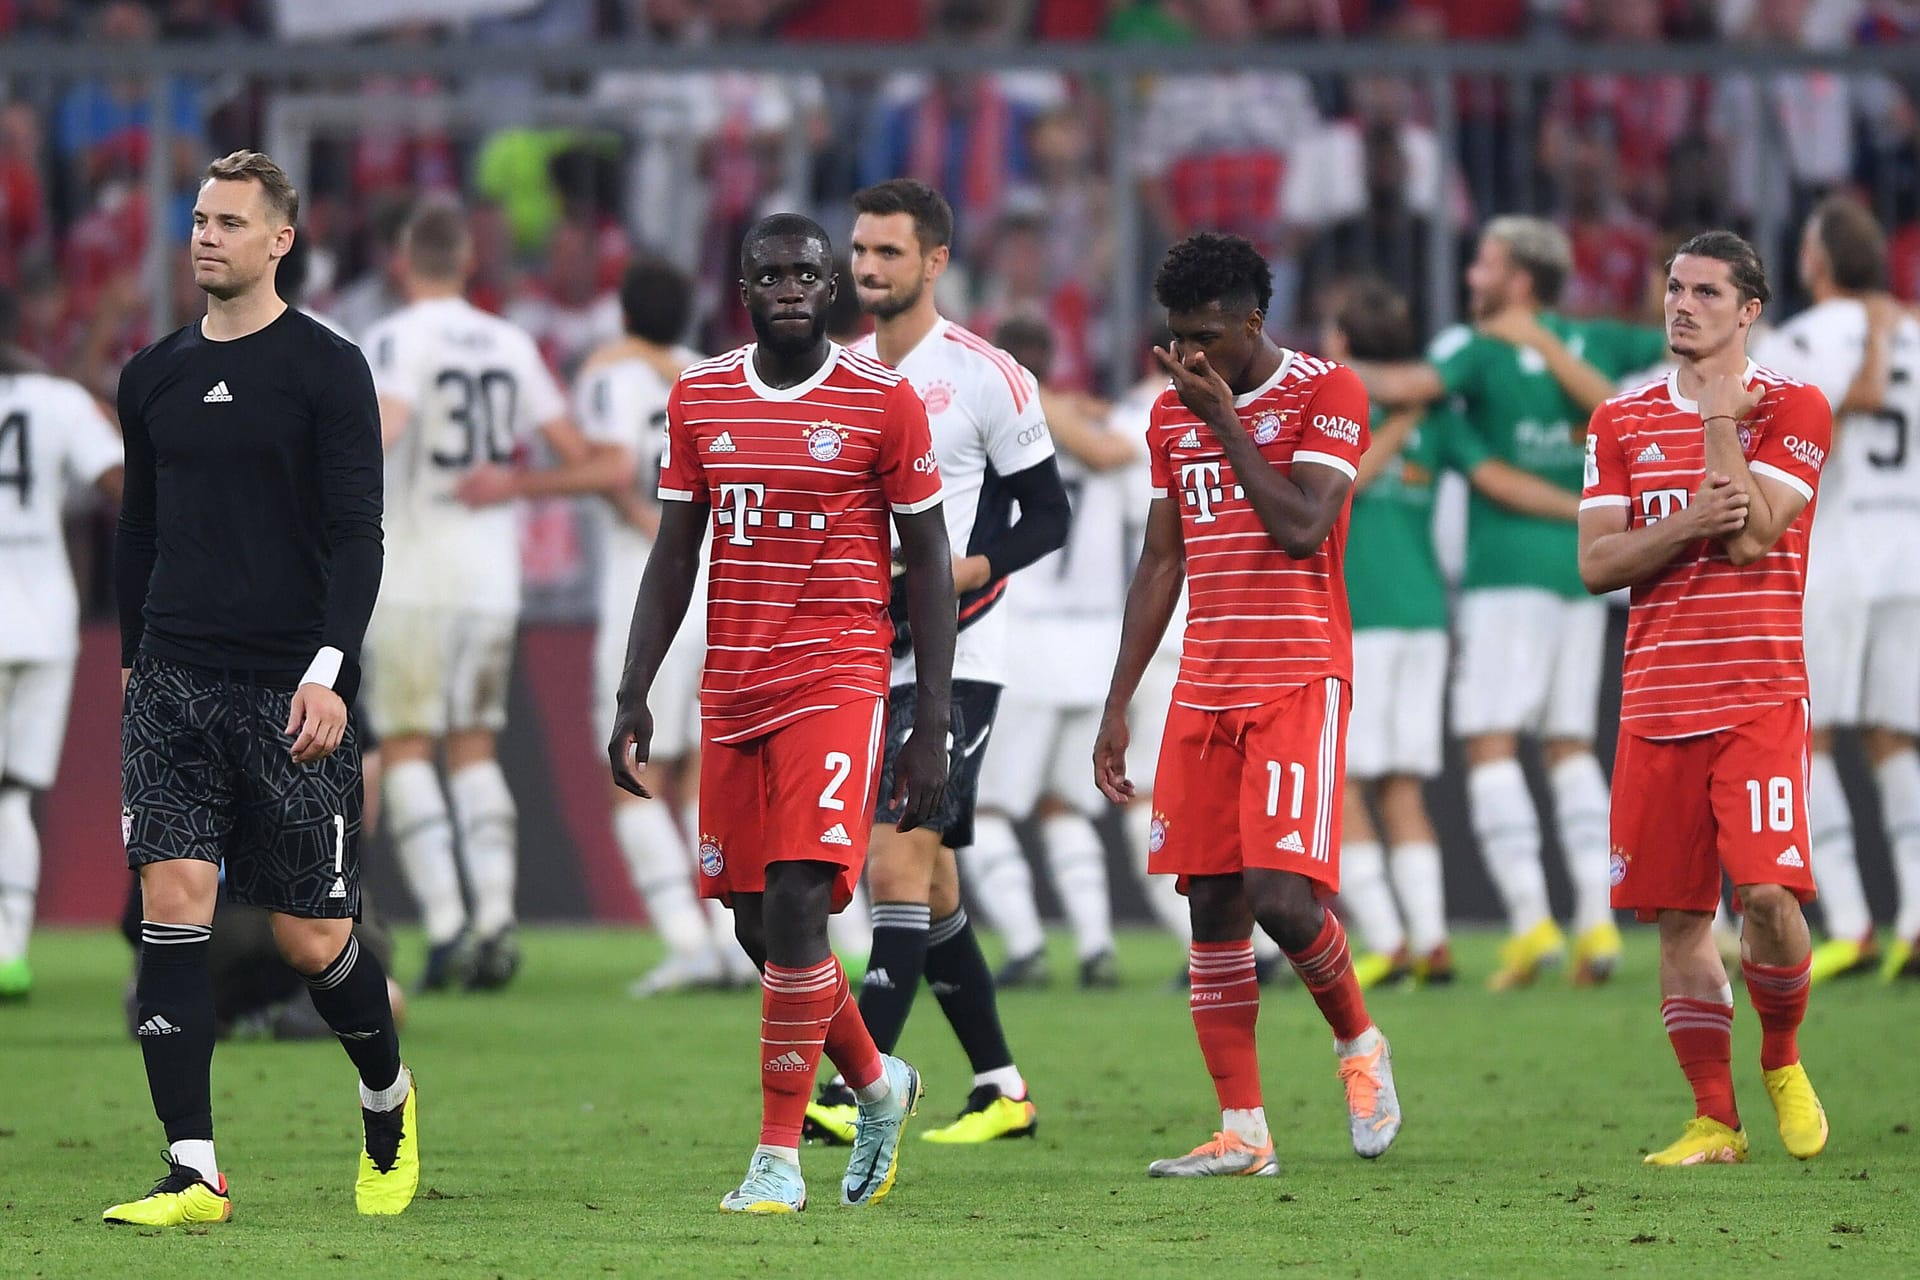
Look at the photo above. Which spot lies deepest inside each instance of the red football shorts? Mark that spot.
(803, 793)
(1685, 808)
(1253, 787)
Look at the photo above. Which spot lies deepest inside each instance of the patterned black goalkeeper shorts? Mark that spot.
(206, 772)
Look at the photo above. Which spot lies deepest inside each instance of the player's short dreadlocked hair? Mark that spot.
(1211, 267)
(777, 225)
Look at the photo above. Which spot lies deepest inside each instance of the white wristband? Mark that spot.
(325, 667)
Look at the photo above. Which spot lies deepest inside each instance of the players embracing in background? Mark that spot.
(1254, 450)
(1700, 496)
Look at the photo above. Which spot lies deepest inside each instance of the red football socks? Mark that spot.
(1225, 999)
(796, 1008)
(1326, 967)
(1702, 1035)
(1779, 995)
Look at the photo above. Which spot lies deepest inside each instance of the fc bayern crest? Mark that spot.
(711, 863)
(824, 442)
(1157, 834)
(1616, 867)
(939, 397)
(1746, 438)
(1266, 427)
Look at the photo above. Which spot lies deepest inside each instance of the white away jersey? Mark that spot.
(478, 391)
(1870, 489)
(52, 437)
(984, 410)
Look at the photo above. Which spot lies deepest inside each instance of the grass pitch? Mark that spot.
(570, 1131)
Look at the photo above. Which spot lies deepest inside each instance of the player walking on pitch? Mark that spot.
(1254, 451)
(1699, 495)
(795, 448)
(246, 567)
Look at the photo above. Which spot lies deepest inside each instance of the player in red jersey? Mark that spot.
(794, 449)
(1699, 495)
(1253, 451)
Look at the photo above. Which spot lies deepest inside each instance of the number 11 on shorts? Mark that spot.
(1778, 805)
(1275, 772)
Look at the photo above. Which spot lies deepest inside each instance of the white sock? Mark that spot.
(197, 1155)
(19, 871)
(1003, 884)
(423, 840)
(483, 807)
(867, 1095)
(390, 1097)
(1580, 803)
(1077, 859)
(662, 872)
(1249, 1125)
(1007, 1080)
(1899, 776)
(789, 1154)
(1366, 896)
(1836, 867)
(1165, 900)
(1365, 1042)
(1508, 830)
(1419, 884)
(850, 931)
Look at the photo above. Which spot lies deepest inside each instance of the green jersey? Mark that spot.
(1393, 573)
(1517, 413)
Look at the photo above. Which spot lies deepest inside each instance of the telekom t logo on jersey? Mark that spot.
(1200, 487)
(1657, 504)
(736, 501)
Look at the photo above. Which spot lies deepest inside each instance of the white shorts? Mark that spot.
(433, 672)
(1399, 702)
(1863, 662)
(1039, 750)
(1147, 718)
(1529, 662)
(34, 697)
(676, 687)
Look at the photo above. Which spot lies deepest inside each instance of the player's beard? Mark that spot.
(894, 304)
(786, 345)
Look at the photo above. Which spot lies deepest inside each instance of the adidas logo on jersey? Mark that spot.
(1652, 454)
(788, 1061)
(1292, 844)
(1191, 440)
(157, 1026)
(219, 394)
(837, 834)
(723, 443)
(1791, 858)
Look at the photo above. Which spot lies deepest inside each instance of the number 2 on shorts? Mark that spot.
(840, 764)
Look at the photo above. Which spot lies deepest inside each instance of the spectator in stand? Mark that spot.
(1019, 284)
(1075, 202)
(564, 306)
(895, 21)
(43, 20)
(400, 157)
(1612, 245)
(379, 291)
(23, 198)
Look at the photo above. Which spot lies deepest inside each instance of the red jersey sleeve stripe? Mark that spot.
(1009, 369)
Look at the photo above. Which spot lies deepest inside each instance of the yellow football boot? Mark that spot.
(1803, 1121)
(1704, 1141)
(1596, 955)
(989, 1114)
(181, 1198)
(390, 1160)
(1843, 958)
(1524, 955)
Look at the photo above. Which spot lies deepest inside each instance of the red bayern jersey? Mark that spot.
(1259, 622)
(799, 480)
(1710, 644)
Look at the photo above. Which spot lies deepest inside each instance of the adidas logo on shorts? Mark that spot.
(219, 394)
(157, 1026)
(837, 834)
(722, 444)
(788, 1061)
(1191, 440)
(339, 889)
(1791, 858)
(1652, 454)
(1292, 844)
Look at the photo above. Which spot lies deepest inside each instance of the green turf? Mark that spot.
(569, 1131)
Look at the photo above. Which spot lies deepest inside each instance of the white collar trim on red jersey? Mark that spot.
(1279, 376)
(1693, 406)
(798, 389)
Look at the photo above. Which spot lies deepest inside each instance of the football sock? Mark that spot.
(1002, 884)
(661, 869)
(1169, 908)
(1779, 996)
(1077, 859)
(1419, 884)
(1327, 969)
(19, 871)
(1223, 996)
(423, 840)
(351, 995)
(850, 1046)
(796, 1007)
(894, 969)
(1249, 1124)
(850, 930)
(483, 806)
(1702, 1036)
(173, 994)
(1508, 830)
(958, 974)
(1899, 776)
(1365, 895)
(1836, 866)
(197, 1155)
(1580, 804)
